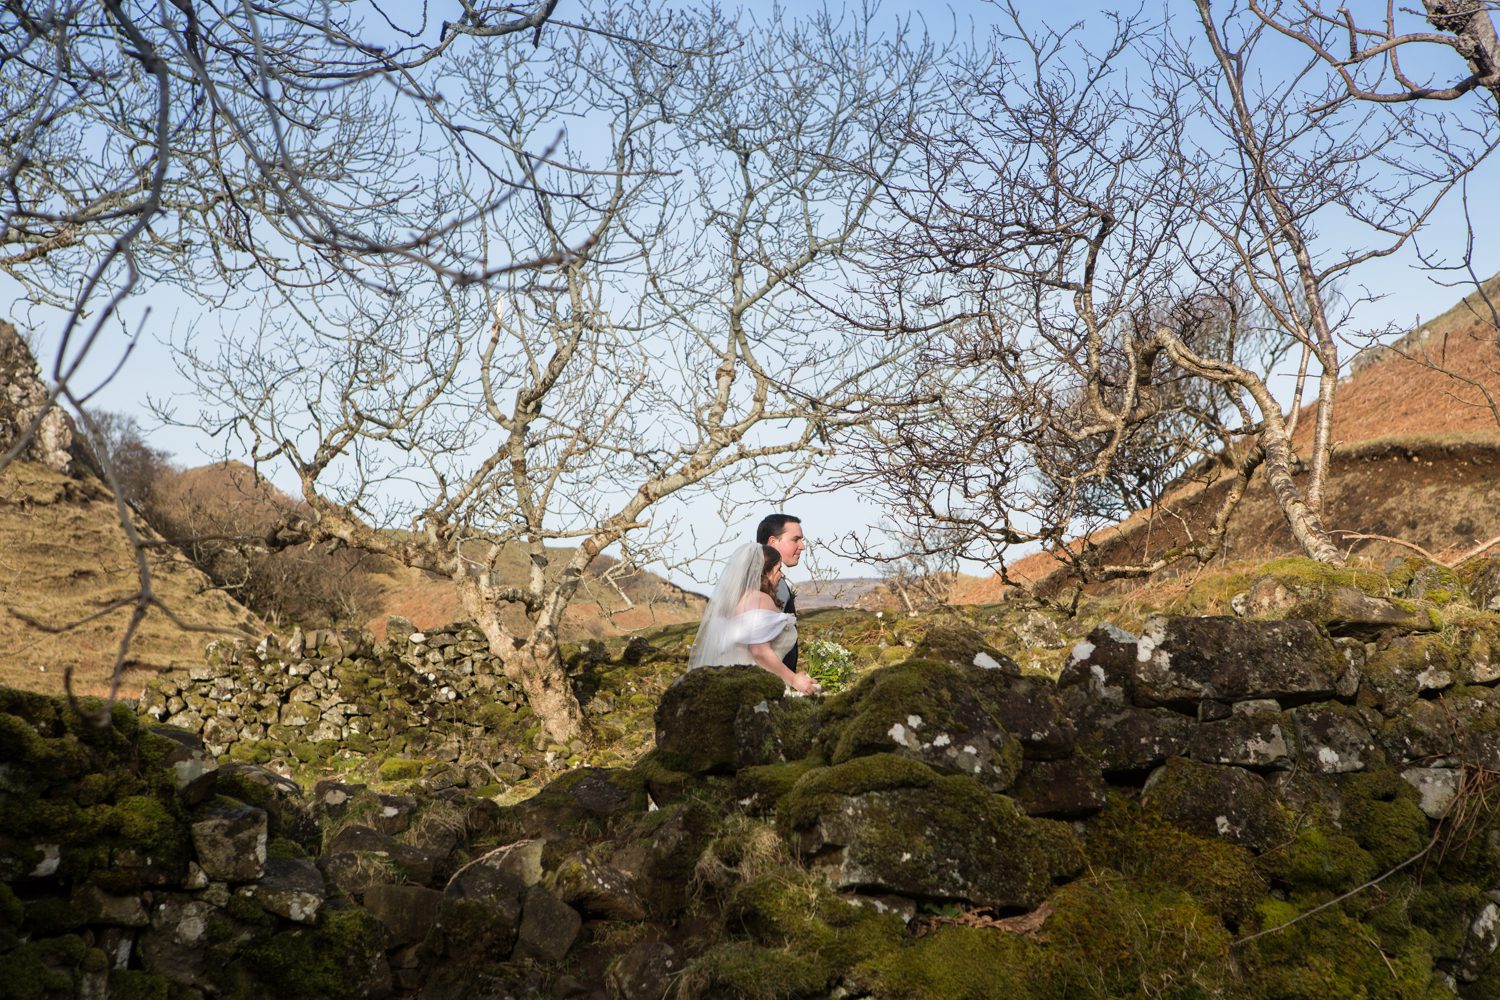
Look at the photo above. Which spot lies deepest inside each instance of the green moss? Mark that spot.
(332, 961)
(921, 822)
(29, 973)
(1110, 937)
(742, 970)
(788, 911)
(816, 790)
(1381, 814)
(1318, 859)
(1330, 955)
(284, 849)
(859, 721)
(952, 963)
(1219, 876)
(10, 907)
(1298, 570)
(397, 769)
(695, 722)
(133, 984)
(768, 783)
(146, 824)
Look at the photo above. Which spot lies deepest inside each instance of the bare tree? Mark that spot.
(1365, 52)
(672, 349)
(1128, 237)
(218, 147)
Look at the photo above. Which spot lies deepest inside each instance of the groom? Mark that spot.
(783, 532)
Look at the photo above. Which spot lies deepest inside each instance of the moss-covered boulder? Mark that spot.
(961, 644)
(1345, 601)
(938, 713)
(1213, 800)
(1481, 578)
(886, 823)
(697, 719)
(1405, 667)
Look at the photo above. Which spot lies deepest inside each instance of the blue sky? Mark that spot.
(1406, 289)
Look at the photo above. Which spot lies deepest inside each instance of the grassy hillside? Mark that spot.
(1416, 457)
(62, 559)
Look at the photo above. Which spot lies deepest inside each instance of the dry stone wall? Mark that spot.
(437, 695)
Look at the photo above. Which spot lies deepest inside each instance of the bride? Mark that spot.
(744, 623)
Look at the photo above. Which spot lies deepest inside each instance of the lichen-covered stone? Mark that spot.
(1133, 740)
(645, 971)
(1257, 740)
(598, 889)
(230, 842)
(1333, 739)
(1062, 789)
(548, 929)
(407, 912)
(1436, 787)
(1462, 727)
(292, 888)
(890, 824)
(1213, 800)
(936, 713)
(1182, 661)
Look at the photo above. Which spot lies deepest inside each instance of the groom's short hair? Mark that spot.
(772, 525)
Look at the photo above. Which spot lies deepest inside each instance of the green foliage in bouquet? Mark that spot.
(829, 663)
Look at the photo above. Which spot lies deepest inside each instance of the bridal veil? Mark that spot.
(728, 630)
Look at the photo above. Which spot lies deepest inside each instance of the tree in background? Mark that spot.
(678, 344)
(220, 149)
(1131, 233)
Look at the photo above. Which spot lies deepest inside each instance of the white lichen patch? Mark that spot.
(51, 858)
(900, 735)
(986, 661)
(915, 721)
(1081, 652)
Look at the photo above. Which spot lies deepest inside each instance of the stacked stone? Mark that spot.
(419, 693)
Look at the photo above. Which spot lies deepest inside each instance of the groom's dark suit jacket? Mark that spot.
(790, 659)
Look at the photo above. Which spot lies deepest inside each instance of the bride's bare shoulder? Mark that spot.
(757, 601)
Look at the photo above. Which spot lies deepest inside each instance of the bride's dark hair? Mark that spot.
(772, 560)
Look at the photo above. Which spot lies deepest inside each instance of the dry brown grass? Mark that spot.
(64, 557)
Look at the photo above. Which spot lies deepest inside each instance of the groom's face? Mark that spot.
(789, 543)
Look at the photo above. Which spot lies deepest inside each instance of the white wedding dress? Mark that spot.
(776, 628)
(727, 632)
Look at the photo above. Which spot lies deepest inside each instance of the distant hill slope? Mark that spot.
(63, 558)
(642, 600)
(1417, 457)
(602, 608)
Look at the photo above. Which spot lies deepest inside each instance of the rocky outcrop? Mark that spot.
(1207, 804)
(24, 398)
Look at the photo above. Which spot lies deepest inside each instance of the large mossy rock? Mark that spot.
(886, 823)
(941, 714)
(1213, 800)
(1344, 601)
(700, 716)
